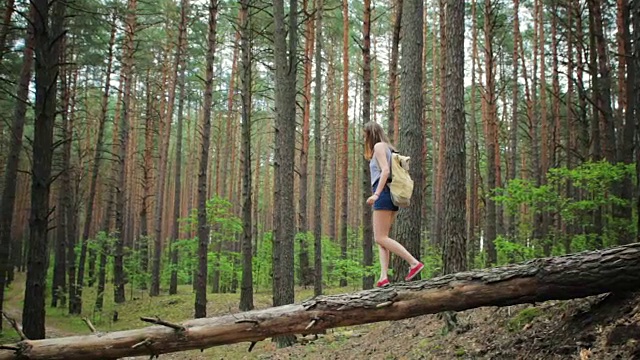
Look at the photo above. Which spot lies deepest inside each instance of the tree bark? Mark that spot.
(175, 235)
(635, 10)
(455, 246)
(557, 278)
(122, 186)
(285, 61)
(513, 133)
(438, 155)
(166, 120)
(7, 203)
(246, 290)
(147, 168)
(596, 101)
(65, 215)
(473, 159)
(604, 82)
(556, 140)
(203, 226)
(543, 218)
(154, 289)
(48, 36)
(411, 137)
(393, 74)
(344, 152)
(367, 232)
(317, 133)
(303, 221)
(6, 26)
(59, 281)
(491, 135)
(570, 122)
(627, 145)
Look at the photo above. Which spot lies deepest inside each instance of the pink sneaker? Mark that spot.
(414, 271)
(383, 283)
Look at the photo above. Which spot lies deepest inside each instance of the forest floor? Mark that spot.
(598, 327)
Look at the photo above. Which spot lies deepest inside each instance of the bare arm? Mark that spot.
(380, 154)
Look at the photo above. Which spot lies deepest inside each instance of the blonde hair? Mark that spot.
(373, 134)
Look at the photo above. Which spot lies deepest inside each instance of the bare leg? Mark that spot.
(382, 220)
(384, 262)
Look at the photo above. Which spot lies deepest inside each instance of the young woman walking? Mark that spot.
(378, 152)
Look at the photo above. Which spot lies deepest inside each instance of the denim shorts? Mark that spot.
(384, 201)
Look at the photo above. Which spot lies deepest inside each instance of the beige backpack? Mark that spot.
(401, 185)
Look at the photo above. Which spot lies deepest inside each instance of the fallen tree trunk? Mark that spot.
(558, 278)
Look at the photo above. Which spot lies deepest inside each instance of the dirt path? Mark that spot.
(13, 306)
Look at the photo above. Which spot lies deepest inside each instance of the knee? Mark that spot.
(380, 240)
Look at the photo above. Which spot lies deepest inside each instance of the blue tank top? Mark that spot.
(375, 169)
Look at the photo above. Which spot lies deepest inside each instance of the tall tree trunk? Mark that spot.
(163, 150)
(393, 74)
(491, 135)
(513, 133)
(344, 153)
(544, 135)
(629, 91)
(246, 291)
(582, 148)
(439, 154)
(367, 232)
(473, 159)
(154, 290)
(534, 131)
(556, 140)
(604, 82)
(203, 226)
(455, 250)
(596, 134)
(258, 193)
(285, 62)
(102, 274)
(435, 77)
(120, 206)
(182, 42)
(623, 21)
(569, 124)
(75, 288)
(317, 133)
(635, 8)
(411, 137)
(66, 214)
(68, 207)
(147, 168)
(59, 281)
(331, 160)
(303, 225)
(48, 34)
(7, 203)
(6, 27)
(226, 144)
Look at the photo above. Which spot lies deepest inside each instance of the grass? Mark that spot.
(524, 317)
(175, 308)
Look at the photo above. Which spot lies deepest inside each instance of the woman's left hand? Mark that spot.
(372, 199)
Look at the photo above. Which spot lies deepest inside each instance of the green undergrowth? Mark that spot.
(173, 308)
(524, 317)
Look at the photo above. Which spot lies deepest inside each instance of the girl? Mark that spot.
(378, 152)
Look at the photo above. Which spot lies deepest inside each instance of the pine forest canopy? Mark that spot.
(152, 147)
